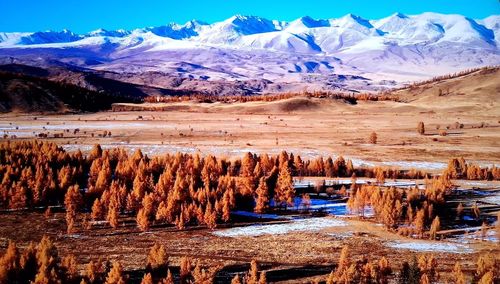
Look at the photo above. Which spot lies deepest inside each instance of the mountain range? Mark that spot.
(348, 53)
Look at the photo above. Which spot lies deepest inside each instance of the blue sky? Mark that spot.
(86, 15)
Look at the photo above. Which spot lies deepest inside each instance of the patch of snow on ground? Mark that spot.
(344, 235)
(75, 236)
(492, 199)
(99, 222)
(309, 225)
(475, 183)
(430, 246)
(307, 183)
(491, 236)
(417, 165)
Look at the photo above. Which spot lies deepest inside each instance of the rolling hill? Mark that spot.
(477, 90)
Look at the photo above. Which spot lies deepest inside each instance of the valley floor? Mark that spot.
(290, 250)
(309, 127)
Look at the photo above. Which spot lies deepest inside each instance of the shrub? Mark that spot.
(373, 138)
(421, 128)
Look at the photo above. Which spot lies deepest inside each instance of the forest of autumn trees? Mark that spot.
(42, 263)
(187, 189)
(415, 208)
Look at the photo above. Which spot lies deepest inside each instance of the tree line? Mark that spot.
(351, 98)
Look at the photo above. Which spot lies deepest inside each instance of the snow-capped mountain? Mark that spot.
(399, 47)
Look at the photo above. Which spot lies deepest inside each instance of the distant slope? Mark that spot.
(24, 93)
(479, 89)
(290, 105)
(137, 85)
(99, 81)
(62, 88)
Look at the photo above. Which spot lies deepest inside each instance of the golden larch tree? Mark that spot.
(285, 192)
(435, 226)
(72, 201)
(115, 275)
(262, 199)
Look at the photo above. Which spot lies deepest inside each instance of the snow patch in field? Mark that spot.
(18, 134)
(491, 236)
(416, 165)
(431, 246)
(148, 149)
(75, 236)
(309, 225)
(306, 183)
(475, 183)
(99, 222)
(492, 199)
(344, 235)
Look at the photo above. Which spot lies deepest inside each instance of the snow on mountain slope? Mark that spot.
(50, 37)
(11, 39)
(406, 30)
(175, 31)
(228, 31)
(400, 47)
(103, 32)
(457, 28)
(279, 41)
(493, 23)
(304, 23)
(426, 28)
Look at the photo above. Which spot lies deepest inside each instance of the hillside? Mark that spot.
(65, 87)
(478, 90)
(24, 93)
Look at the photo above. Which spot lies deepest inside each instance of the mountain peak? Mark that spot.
(307, 22)
(247, 25)
(399, 15)
(313, 23)
(244, 18)
(104, 32)
(350, 19)
(194, 23)
(327, 35)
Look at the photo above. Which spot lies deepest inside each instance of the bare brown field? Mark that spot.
(310, 127)
(294, 257)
